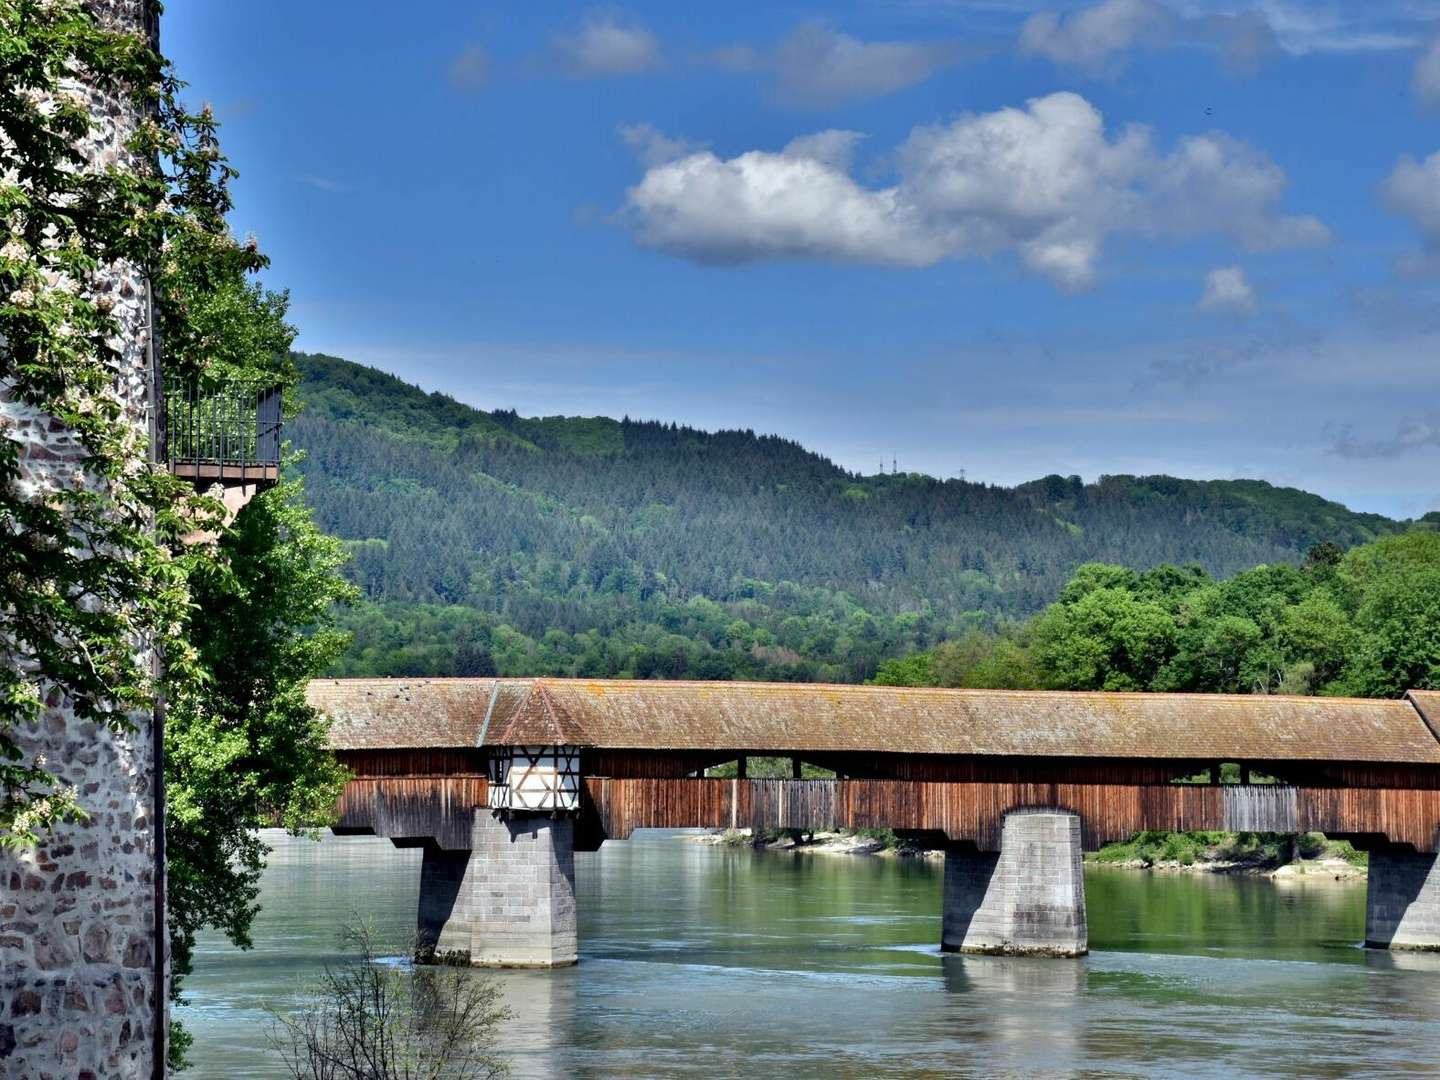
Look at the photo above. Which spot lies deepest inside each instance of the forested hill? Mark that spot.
(486, 540)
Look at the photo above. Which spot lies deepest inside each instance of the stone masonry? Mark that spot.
(77, 917)
(1402, 904)
(1027, 899)
(509, 901)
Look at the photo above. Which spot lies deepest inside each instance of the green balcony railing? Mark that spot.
(219, 429)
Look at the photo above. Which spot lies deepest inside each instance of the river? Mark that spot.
(708, 961)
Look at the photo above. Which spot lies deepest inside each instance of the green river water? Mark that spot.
(706, 961)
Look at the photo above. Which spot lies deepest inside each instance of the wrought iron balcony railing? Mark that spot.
(226, 434)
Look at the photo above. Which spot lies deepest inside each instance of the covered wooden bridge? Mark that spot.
(1015, 783)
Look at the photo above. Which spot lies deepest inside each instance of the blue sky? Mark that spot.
(999, 237)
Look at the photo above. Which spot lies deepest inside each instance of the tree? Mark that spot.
(242, 746)
(1100, 635)
(1394, 587)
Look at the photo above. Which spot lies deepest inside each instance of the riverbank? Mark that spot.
(823, 842)
(1310, 856)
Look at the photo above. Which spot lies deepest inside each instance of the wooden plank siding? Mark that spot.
(414, 795)
(975, 812)
(413, 809)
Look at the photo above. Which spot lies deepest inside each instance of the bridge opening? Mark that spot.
(767, 767)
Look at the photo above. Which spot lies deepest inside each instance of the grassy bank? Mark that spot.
(1243, 851)
(1218, 852)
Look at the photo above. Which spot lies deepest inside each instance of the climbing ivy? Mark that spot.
(86, 573)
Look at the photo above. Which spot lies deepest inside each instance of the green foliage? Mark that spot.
(1393, 587)
(1257, 850)
(628, 549)
(242, 746)
(87, 571)
(1365, 623)
(769, 768)
(60, 223)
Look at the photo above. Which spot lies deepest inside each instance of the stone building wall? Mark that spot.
(77, 915)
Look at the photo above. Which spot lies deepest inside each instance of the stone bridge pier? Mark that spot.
(1027, 899)
(509, 901)
(1402, 903)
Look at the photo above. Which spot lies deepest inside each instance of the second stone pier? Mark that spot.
(1402, 909)
(507, 902)
(1026, 900)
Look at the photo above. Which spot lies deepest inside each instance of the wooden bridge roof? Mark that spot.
(793, 717)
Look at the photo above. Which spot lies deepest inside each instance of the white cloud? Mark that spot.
(1304, 26)
(1226, 289)
(1090, 38)
(1045, 183)
(654, 147)
(816, 66)
(471, 69)
(607, 43)
(1427, 75)
(1412, 190)
(834, 148)
(1095, 38)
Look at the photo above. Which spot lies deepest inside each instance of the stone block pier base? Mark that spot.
(1402, 908)
(1027, 900)
(507, 902)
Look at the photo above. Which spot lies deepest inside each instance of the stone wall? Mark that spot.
(77, 916)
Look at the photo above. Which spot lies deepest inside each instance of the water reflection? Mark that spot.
(698, 961)
(542, 1003)
(1019, 1013)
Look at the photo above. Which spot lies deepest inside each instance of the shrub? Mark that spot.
(366, 1019)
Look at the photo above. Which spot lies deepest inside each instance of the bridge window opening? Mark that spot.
(758, 767)
(1226, 772)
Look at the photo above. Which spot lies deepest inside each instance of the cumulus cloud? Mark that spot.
(834, 148)
(816, 66)
(1412, 190)
(1095, 38)
(607, 43)
(654, 147)
(1408, 437)
(1045, 182)
(1226, 289)
(1427, 75)
(470, 69)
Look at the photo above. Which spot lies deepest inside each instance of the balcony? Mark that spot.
(226, 434)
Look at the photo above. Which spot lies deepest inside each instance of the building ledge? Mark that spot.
(227, 474)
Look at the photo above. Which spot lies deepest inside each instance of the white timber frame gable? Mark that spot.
(540, 778)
